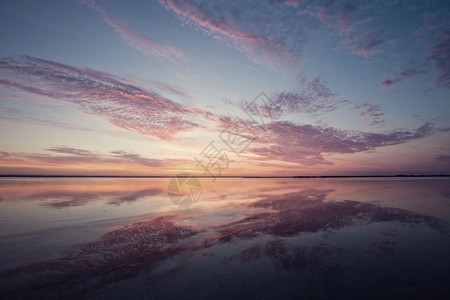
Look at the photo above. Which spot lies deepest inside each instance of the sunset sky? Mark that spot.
(161, 88)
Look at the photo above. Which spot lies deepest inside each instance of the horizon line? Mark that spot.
(228, 176)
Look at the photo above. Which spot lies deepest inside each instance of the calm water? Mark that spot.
(246, 238)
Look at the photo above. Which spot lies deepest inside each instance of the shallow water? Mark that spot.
(111, 238)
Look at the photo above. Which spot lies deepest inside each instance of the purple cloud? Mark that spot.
(96, 93)
(372, 112)
(75, 155)
(401, 76)
(354, 24)
(136, 40)
(387, 83)
(63, 155)
(314, 98)
(276, 32)
(69, 150)
(440, 50)
(306, 144)
(410, 73)
(136, 158)
(316, 140)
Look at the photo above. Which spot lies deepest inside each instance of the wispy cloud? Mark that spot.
(247, 30)
(275, 33)
(96, 93)
(172, 88)
(353, 25)
(135, 39)
(440, 50)
(313, 97)
(287, 139)
(307, 144)
(372, 112)
(410, 73)
(403, 75)
(75, 161)
(68, 155)
(368, 44)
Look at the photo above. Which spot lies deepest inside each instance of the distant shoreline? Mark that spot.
(185, 176)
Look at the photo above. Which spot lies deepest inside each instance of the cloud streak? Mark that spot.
(64, 160)
(100, 94)
(73, 156)
(136, 40)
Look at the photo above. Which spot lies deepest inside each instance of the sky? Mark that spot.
(224, 88)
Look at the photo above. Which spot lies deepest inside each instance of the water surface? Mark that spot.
(112, 238)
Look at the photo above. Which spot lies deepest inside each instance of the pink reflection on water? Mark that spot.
(239, 222)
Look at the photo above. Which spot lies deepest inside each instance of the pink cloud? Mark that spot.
(258, 46)
(344, 19)
(96, 93)
(293, 3)
(322, 12)
(136, 40)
